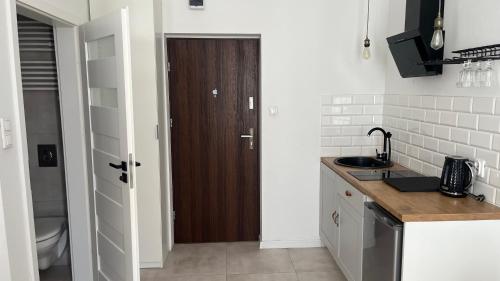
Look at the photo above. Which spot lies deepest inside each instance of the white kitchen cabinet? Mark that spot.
(329, 208)
(341, 222)
(350, 249)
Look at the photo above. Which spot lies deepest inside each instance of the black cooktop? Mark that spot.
(376, 175)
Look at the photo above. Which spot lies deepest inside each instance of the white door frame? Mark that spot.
(75, 148)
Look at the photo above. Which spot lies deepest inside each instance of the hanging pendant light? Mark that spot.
(366, 43)
(437, 41)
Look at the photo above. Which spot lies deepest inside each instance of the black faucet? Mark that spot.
(386, 154)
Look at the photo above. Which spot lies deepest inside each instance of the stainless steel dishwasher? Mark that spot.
(382, 244)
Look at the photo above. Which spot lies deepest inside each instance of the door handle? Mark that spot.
(250, 137)
(122, 166)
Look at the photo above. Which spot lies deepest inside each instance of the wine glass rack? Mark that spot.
(484, 53)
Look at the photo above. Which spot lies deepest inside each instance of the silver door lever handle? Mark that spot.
(250, 137)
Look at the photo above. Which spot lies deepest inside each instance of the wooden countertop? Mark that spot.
(418, 206)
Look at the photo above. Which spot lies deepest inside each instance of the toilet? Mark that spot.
(51, 240)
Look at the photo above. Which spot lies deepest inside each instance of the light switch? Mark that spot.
(7, 141)
(6, 133)
(5, 125)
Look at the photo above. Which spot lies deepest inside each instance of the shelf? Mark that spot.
(484, 53)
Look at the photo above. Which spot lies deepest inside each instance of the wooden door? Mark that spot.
(214, 100)
(107, 82)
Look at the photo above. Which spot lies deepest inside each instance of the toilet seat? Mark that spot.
(47, 228)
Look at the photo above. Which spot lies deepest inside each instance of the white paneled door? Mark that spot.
(106, 53)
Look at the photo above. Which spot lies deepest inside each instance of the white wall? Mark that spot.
(145, 121)
(309, 48)
(467, 23)
(4, 251)
(14, 175)
(71, 11)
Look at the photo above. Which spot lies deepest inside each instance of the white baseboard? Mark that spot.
(151, 264)
(291, 244)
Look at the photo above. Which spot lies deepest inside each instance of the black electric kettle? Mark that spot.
(458, 176)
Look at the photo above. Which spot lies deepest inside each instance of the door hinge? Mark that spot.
(168, 66)
(171, 122)
(173, 215)
(157, 132)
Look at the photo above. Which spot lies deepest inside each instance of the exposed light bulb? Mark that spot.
(366, 50)
(437, 41)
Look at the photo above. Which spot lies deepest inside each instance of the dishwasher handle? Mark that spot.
(382, 216)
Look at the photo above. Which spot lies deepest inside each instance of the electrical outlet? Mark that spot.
(481, 168)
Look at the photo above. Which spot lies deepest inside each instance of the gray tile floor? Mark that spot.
(56, 273)
(244, 262)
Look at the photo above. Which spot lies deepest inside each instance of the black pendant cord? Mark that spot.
(368, 20)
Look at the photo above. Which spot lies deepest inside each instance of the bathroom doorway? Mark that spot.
(45, 148)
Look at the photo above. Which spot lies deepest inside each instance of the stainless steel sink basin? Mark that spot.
(362, 162)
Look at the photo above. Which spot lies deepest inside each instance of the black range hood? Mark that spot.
(412, 47)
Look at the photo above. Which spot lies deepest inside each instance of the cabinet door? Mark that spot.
(350, 241)
(329, 206)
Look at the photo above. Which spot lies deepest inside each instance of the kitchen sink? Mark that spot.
(362, 162)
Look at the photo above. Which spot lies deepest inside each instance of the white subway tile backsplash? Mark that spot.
(480, 139)
(352, 131)
(418, 114)
(352, 109)
(331, 131)
(350, 151)
(326, 141)
(340, 120)
(431, 143)
(442, 132)
(460, 135)
(483, 105)
(416, 165)
(412, 151)
(462, 104)
(488, 191)
(361, 120)
(489, 123)
(425, 129)
(363, 99)
(331, 110)
(468, 121)
(403, 100)
(425, 155)
(414, 101)
(495, 178)
(429, 102)
(325, 100)
(432, 116)
(417, 140)
(345, 122)
(444, 103)
(330, 151)
(447, 148)
(448, 118)
(341, 141)
(341, 100)
(326, 120)
(438, 159)
(429, 170)
(413, 126)
(491, 157)
(466, 151)
(373, 109)
(496, 142)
